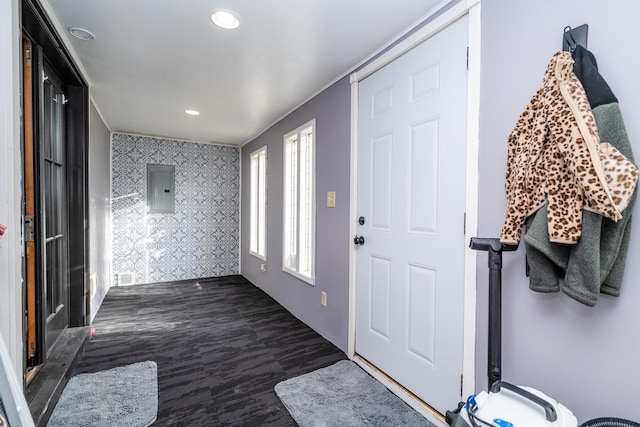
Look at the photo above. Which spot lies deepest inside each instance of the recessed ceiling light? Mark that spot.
(225, 19)
(81, 33)
(192, 112)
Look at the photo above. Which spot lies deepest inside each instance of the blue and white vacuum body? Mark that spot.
(507, 405)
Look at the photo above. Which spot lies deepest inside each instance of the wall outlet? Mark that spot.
(324, 299)
(263, 267)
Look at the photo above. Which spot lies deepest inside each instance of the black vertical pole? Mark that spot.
(495, 248)
(494, 367)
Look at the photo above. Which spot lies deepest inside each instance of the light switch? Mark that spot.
(331, 199)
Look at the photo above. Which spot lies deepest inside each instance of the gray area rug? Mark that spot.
(344, 395)
(123, 396)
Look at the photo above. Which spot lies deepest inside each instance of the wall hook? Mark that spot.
(568, 38)
(572, 37)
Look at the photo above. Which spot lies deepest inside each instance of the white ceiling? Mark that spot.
(152, 59)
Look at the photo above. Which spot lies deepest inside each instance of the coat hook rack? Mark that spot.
(572, 37)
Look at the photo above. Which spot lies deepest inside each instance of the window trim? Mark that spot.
(262, 174)
(312, 247)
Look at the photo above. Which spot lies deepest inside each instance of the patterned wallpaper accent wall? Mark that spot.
(201, 239)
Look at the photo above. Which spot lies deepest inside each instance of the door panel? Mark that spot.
(380, 292)
(411, 191)
(423, 191)
(381, 181)
(421, 304)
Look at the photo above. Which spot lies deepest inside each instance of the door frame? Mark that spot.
(470, 8)
(48, 37)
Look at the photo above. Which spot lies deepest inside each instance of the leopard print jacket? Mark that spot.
(555, 156)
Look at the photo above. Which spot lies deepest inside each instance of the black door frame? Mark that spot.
(42, 33)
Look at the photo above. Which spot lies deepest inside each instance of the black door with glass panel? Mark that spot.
(54, 285)
(56, 108)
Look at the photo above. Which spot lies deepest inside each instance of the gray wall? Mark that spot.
(331, 109)
(201, 238)
(584, 357)
(99, 209)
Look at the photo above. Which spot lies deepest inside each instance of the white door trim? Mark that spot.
(472, 9)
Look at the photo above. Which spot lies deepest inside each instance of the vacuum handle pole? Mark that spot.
(494, 248)
(494, 366)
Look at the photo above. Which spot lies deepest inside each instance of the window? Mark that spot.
(258, 227)
(298, 254)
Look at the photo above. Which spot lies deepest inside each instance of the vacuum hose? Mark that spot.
(609, 422)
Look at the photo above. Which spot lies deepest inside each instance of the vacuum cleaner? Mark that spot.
(505, 405)
(508, 405)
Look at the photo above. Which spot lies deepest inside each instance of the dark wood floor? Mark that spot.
(221, 345)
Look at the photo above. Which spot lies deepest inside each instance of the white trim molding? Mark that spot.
(470, 8)
(353, 209)
(471, 219)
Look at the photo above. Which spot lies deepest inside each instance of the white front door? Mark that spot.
(412, 136)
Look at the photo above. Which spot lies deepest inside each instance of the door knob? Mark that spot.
(358, 240)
